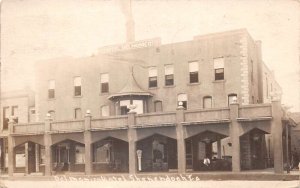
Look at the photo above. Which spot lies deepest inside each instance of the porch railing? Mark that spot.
(116, 122)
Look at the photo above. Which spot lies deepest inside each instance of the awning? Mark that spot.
(131, 89)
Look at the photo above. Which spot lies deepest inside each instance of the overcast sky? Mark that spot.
(33, 30)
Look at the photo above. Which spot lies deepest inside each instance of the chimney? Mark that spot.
(127, 11)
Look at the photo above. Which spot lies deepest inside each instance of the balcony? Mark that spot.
(255, 112)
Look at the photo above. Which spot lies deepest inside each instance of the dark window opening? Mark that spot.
(51, 93)
(169, 80)
(219, 74)
(5, 117)
(77, 90)
(194, 77)
(184, 104)
(104, 87)
(152, 81)
(124, 110)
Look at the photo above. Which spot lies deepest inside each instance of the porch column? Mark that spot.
(48, 143)
(88, 143)
(276, 131)
(235, 137)
(180, 130)
(37, 157)
(26, 158)
(219, 148)
(10, 140)
(132, 137)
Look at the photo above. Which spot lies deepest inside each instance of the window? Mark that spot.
(14, 113)
(124, 106)
(79, 154)
(158, 106)
(139, 106)
(77, 113)
(207, 102)
(169, 75)
(5, 117)
(103, 152)
(232, 98)
(182, 98)
(193, 69)
(219, 68)
(77, 86)
(105, 110)
(152, 77)
(51, 89)
(104, 79)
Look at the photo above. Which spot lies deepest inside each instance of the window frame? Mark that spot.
(169, 78)
(211, 102)
(193, 75)
(104, 85)
(77, 87)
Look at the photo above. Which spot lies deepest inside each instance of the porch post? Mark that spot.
(219, 148)
(276, 131)
(235, 137)
(180, 140)
(48, 143)
(132, 137)
(88, 143)
(37, 157)
(10, 140)
(26, 158)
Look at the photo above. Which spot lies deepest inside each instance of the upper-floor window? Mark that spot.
(193, 70)
(14, 113)
(77, 86)
(182, 100)
(105, 110)
(152, 77)
(219, 68)
(169, 75)
(124, 104)
(51, 89)
(158, 106)
(104, 79)
(207, 102)
(232, 98)
(5, 117)
(77, 113)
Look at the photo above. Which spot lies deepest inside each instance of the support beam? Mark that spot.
(26, 158)
(10, 140)
(180, 130)
(219, 148)
(132, 137)
(88, 144)
(37, 157)
(235, 137)
(48, 144)
(276, 131)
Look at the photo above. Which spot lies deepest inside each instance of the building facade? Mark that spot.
(148, 107)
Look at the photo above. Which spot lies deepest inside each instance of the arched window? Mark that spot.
(158, 106)
(207, 102)
(232, 98)
(182, 98)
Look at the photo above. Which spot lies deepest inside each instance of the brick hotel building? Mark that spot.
(149, 107)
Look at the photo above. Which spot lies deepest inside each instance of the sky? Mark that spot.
(35, 30)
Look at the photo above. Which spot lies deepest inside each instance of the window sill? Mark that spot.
(193, 84)
(80, 96)
(52, 99)
(170, 86)
(104, 94)
(152, 88)
(219, 81)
